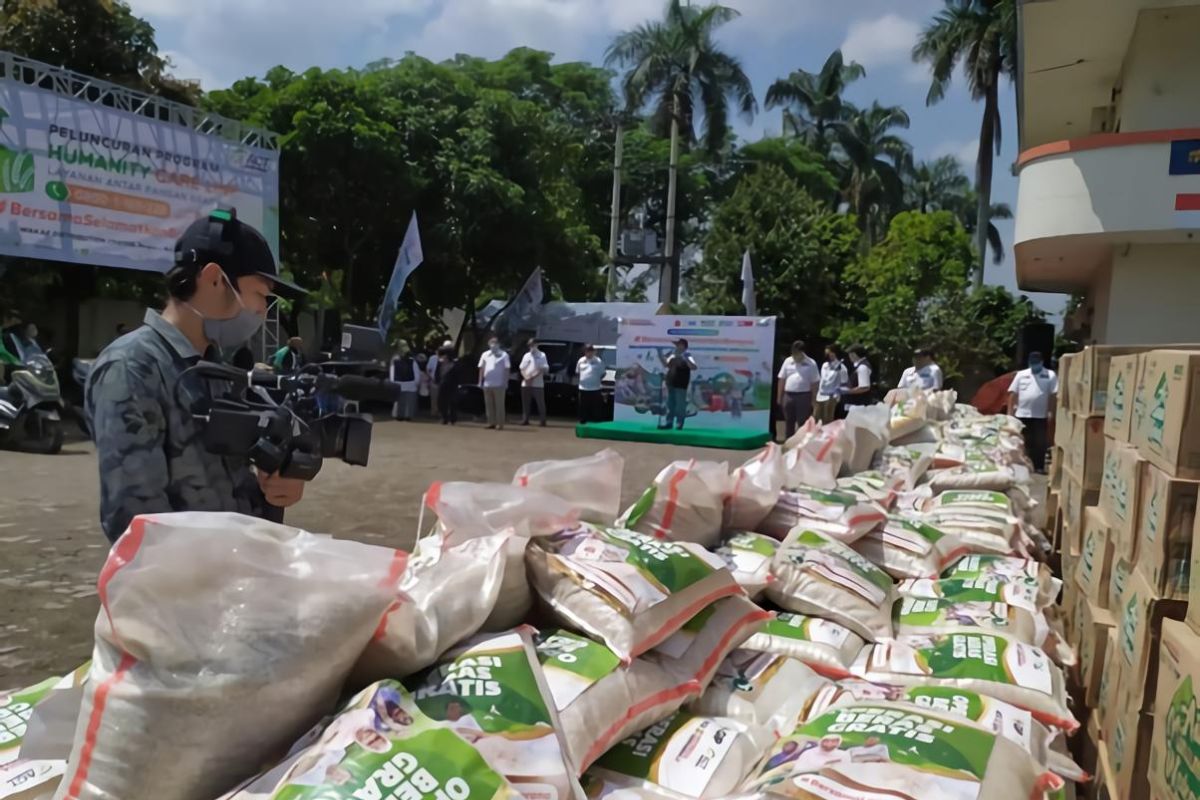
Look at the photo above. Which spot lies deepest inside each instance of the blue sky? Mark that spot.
(219, 41)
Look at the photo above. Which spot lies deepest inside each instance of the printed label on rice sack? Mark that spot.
(572, 664)
(746, 552)
(747, 671)
(923, 612)
(972, 590)
(985, 499)
(965, 656)
(15, 710)
(682, 752)
(804, 628)
(633, 570)
(865, 752)
(1008, 568)
(837, 563)
(910, 535)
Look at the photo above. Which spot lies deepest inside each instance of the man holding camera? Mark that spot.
(140, 404)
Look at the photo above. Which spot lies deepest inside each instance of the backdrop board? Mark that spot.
(730, 391)
(87, 184)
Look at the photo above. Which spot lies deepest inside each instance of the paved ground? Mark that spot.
(51, 547)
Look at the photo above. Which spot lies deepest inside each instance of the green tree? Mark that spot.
(812, 102)
(923, 263)
(801, 163)
(981, 35)
(873, 159)
(967, 211)
(936, 185)
(799, 247)
(976, 337)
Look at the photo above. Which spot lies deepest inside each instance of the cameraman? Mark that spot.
(139, 408)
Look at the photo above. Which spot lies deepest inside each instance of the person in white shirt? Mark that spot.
(833, 377)
(859, 390)
(590, 371)
(923, 374)
(1031, 398)
(406, 372)
(494, 366)
(534, 366)
(798, 376)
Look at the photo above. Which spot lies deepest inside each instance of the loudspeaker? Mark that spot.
(1037, 337)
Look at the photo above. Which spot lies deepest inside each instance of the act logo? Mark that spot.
(1158, 414)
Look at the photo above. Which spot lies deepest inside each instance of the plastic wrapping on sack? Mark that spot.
(446, 595)
(754, 489)
(382, 744)
(872, 486)
(697, 649)
(825, 646)
(978, 662)
(469, 510)
(866, 430)
(997, 502)
(695, 756)
(908, 548)
(906, 465)
(192, 684)
(939, 405)
(843, 516)
(815, 454)
(1008, 570)
(983, 475)
(748, 556)
(816, 574)
(591, 484)
(971, 590)
(686, 502)
(871, 750)
(627, 589)
(908, 414)
(765, 691)
(981, 530)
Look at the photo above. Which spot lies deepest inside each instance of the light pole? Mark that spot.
(668, 284)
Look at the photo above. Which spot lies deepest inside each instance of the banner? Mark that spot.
(92, 185)
(732, 387)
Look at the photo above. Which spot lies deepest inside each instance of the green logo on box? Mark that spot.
(1182, 759)
(1158, 414)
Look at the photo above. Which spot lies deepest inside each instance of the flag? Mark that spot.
(524, 306)
(407, 260)
(748, 299)
(1187, 211)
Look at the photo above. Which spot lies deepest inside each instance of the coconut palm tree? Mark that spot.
(812, 102)
(873, 159)
(981, 35)
(935, 185)
(968, 212)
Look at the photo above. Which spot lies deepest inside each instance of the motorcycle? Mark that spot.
(31, 401)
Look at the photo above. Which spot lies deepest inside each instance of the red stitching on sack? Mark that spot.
(124, 551)
(676, 622)
(99, 701)
(672, 500)
(604, 742)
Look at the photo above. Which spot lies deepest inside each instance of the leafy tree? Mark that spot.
(801, 163)
(676, 64)
(936, 185)
(873, 158)
(982, 36)
(976, 337)
(812, 102)
(800, 250)
(967, 211)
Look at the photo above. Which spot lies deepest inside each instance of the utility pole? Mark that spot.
(614, 229)
(668, 284)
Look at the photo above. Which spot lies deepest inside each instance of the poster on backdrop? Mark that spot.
(730, 390)
(92, 185)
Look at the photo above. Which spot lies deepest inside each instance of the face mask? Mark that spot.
(495, 347)
(229, 334)
(1036, 366)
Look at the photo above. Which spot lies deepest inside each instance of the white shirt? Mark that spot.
(431, 366)
(862, 371)
(591, 373)
(833, 376)
(495, 368)
(534, 362)
(928, 378)
(1033, 392)
(799, 376)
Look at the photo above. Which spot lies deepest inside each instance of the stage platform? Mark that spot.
(694, 437)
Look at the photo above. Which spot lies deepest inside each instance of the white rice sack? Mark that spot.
(697, 649)
(762, 690)
(1008, 570)
(866, 430)
(695, 756)
(960, 499)
(972, 590)
(748, 556)
(982, 475)
(871, 751)
(978, 662)
(754, 489)
(825, 646)
(624, 588)
(949, 454)
(843, 516)
(908, 414)
(816, 574)
(468, 510)
(980, 530)
(204, 661)
(940, 404)
(382, 744)
(599, 701)
(908, 548)
(591, 484)
(917, 615)
(686, 502)
(815, 454)
(872, 486)
(447, 594)
(906, 465)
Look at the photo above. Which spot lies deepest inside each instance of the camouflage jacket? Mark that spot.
(149, 446)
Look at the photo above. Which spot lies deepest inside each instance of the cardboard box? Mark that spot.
(1166, 527)
(1085, 455)
(1166, 412)
(1087, 746)
(1055, 468)
(1108, 700)
(1095, 557)
(1064, 426)
(1128, 745)
(1089, 378)
(1104, 782)
(1118, 404)
(1066, 363)
(1117, 581)
(1174, 766)
(1139, 625)
(1098, 623)
(1193, 615)
(1120, 494)
(1074, 499)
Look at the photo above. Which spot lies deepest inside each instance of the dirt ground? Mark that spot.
(51, 547)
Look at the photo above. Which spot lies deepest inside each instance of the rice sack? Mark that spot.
(995, 501)
(915, 615)
(906, 465)
(748, 556)
(843, 516)
(815, 454)
(696, 650)
(871, 486)
(762, 690)
(592, 483)
(909, 548)
(825, 646)
(816, 574)
(971, 590)
(686, 502)
(754, 489)
(1009, 570)
(980, 474)
(982, 530)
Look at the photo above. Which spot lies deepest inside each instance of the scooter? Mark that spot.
(31, 401)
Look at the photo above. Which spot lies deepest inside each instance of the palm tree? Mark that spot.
(967, 212)
(873, 160)
(982, 36)
(935, 185)
(677, 64)
(812, 102)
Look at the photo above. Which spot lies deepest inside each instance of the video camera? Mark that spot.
(281, 423)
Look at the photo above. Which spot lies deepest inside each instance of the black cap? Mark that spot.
(683, 342)
(238, 248)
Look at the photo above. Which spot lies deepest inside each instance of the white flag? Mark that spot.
(748, 299)
(407, 260)
(530, 295)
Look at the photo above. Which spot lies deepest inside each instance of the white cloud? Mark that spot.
(885, 42)
(965, 151)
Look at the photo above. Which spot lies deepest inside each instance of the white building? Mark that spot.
(1108, 98)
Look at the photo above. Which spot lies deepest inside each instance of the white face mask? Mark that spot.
(229, 334)
(495, 347)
